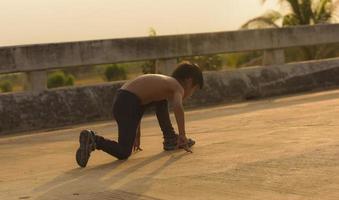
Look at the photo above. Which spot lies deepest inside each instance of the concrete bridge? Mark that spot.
(41, 108)
(278, 148)
(282, 147)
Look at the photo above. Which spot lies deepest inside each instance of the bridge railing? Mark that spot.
(36, 59)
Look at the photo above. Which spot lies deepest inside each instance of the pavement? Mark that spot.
(277, 148)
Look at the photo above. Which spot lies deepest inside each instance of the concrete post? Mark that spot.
(165, 66)
(36, 81)
(274, 57)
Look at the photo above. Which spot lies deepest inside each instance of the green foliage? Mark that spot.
(152, 32)
(267, 20)
(6, 86)
(300, 12)
(114, 72)
(148, 67)
(290, 20)
(307, 12)
(207, 63)
(69, 79)
(59, 79)
(80, 72)
(236, 60)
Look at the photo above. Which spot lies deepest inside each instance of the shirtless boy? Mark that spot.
(129, 104)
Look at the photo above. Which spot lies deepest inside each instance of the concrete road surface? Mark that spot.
(280, 148)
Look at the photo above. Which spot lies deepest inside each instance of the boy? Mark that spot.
(129, 104)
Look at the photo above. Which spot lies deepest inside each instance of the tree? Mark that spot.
(207, 63)
(6, 86)
(149, 67)
(114, 72)
(59, 79)
(301, 12)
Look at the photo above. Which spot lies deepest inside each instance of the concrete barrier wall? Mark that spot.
(68, 106)
(34, 60)
(260, 82)
(39, 57)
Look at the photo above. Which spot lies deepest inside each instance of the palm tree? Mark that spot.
(301, 12)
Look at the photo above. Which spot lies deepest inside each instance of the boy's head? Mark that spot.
(189, 75)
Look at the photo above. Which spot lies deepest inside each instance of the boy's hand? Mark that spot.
(183, 142)
(136, 145)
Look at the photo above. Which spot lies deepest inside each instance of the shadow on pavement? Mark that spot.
(76, 181)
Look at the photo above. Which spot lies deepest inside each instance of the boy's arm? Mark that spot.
(178, 110)
(138, 131)
(136, 145)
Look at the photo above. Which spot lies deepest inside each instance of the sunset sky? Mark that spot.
(43, 21)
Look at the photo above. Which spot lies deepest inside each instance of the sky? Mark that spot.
(45, 21)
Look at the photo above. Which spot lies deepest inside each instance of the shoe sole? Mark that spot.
(82, 153)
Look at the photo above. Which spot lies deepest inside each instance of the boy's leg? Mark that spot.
(123, 148)
(127, 112)
(89, 141)
(128, 118)
(87, 145)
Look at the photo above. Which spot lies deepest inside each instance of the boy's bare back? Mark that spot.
(153, 87)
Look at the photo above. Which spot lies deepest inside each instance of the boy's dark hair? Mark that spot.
(187, 70)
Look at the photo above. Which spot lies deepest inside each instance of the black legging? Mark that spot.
(127, 110)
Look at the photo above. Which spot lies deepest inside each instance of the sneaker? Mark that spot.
(87, 145)
(170, 144)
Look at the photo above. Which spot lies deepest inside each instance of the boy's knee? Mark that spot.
(124, 155)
